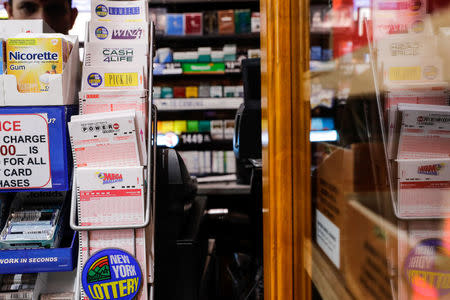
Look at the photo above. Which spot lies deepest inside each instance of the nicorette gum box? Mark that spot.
(35, 148)
(32, 60)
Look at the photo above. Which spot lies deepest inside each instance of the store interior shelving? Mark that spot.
(229, 74)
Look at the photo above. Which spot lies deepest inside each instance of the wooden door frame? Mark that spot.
(286, 148)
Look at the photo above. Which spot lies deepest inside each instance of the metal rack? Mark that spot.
(150, 180)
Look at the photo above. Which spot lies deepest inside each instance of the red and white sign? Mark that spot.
(24, 152)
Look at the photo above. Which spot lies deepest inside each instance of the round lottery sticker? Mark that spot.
(111, 274)
(427, 268)
(101, 10)
(94, 80)
(101, 33)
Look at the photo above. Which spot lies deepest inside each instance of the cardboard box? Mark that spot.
(366, 237)
(340, 172)
(62, 88)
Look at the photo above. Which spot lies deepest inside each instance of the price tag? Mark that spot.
(195, 138)
(24, 151)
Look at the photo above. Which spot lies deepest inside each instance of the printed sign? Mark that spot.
(24, 151)
(111, 274)
(427, 268)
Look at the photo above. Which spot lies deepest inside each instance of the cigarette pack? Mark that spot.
(217, 130)
(111, 196)
(158, 16)
(228, 91)
(113, 31)
(115, 54)
(157, 92)
(204, 126)
(192, 126)
(175, 24)
(179, 126)
(216, 91)
(230, 162)
(226, 21)
(255, 22)
(166, 92)
(229, 129)
(192, 92)
(119, 11)
(242, 20)
(193, 23)
(210, 24)
(204, 91)
(179, 92)
(107, 78)
(105, 139)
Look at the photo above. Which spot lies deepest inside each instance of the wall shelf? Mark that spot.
(177, 104)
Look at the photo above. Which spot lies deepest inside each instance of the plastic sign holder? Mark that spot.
(40, 260)
(62, 90)
(34, 148)
(150, 176)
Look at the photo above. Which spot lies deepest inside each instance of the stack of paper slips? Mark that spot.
(106, 139)
(423, 160)
(109, 137)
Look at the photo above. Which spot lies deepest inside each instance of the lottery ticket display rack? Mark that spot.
(150, 185)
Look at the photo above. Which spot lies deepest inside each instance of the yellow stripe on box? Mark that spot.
(121, 79)
(404, 73)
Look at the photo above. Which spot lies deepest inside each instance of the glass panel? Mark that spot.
(380, 138)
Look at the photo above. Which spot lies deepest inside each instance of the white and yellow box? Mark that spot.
(32, 60)
(119, 11)
(115, 53)
(45, 84)
(118, 31)
(9, 28)
(107, 78)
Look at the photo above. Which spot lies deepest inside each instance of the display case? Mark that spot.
(362, 214)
